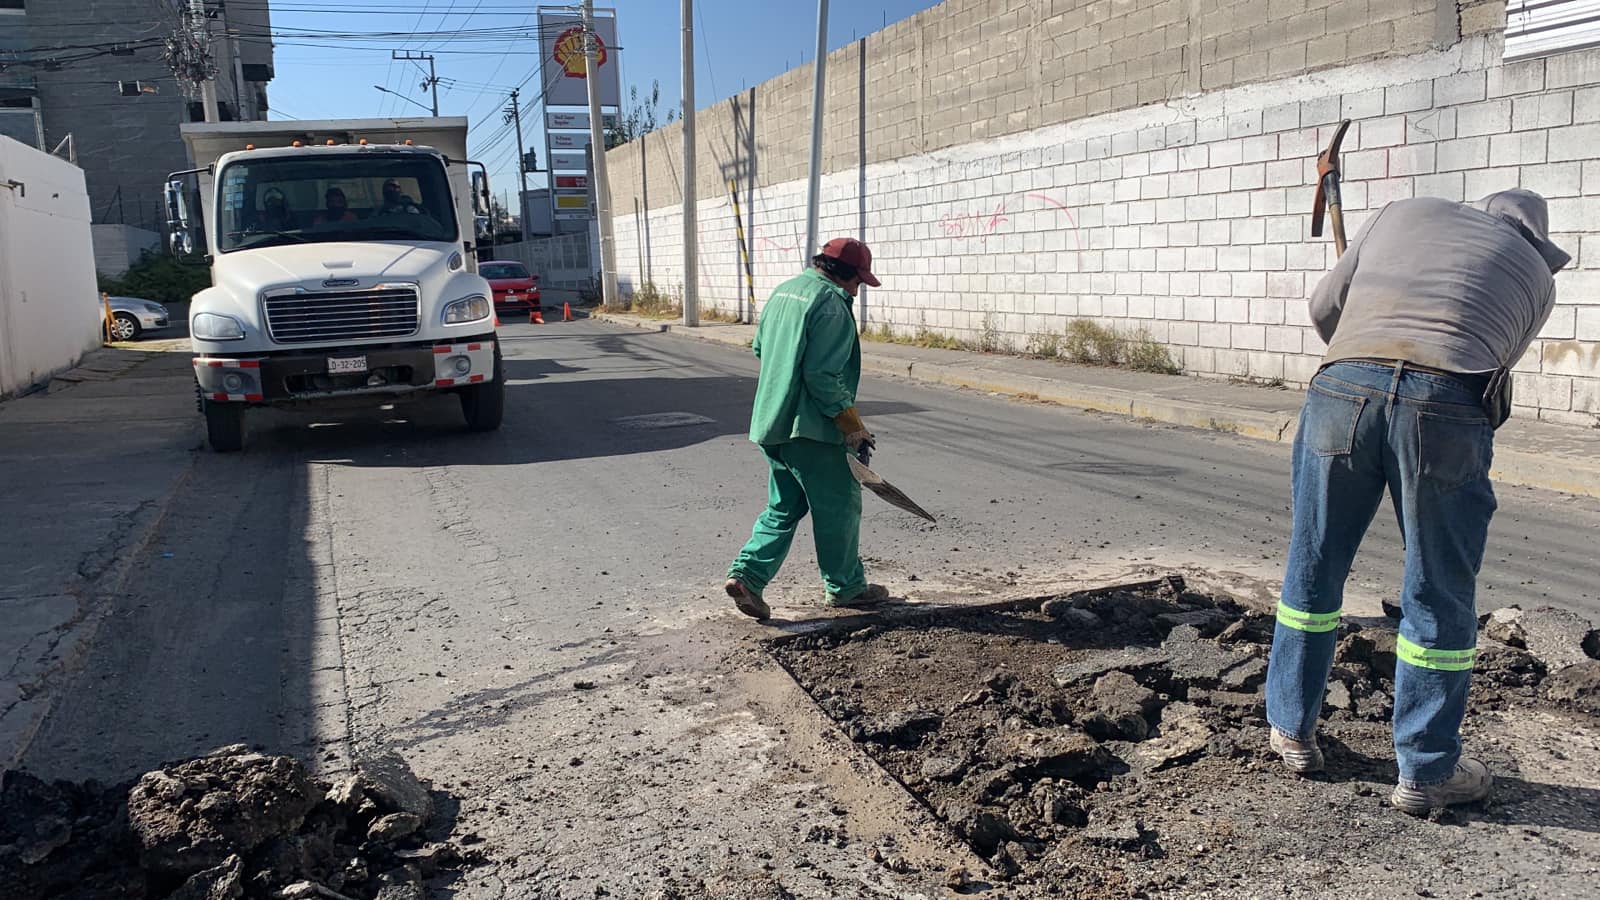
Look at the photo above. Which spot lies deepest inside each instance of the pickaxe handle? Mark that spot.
(1328, 200)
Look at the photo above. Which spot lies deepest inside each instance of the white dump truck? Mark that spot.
(342, 265)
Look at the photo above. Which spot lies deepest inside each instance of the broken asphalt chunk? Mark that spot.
(387, 779)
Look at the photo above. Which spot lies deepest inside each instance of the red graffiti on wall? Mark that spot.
(1062, 207)
(973, 225)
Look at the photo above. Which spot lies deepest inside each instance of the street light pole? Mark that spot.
(433, 77)
(597, 151)
(208, 87)
(379, 87)
(814, 189)
(691, 229)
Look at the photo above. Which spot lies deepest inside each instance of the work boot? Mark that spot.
(871, 595)
(1470, 783)
(1300, 757)
(748, 601)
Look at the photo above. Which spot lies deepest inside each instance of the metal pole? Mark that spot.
(208, 87)
(597, 152)
(238, 69)
(522, 165)
(433, 82)
(814, 189)
(691, 227)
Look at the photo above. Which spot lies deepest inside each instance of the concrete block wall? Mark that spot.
(971, 70)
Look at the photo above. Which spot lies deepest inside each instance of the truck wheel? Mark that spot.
(484, 405)
(225, 426)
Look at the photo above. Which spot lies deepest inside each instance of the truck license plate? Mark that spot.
(340, 364)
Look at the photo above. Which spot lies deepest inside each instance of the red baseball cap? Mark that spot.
(852, 253)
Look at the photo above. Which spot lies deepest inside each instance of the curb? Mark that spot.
(1568, 474)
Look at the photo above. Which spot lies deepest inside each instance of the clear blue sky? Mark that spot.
(342, 48)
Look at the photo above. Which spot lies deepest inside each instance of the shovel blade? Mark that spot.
(892, 495)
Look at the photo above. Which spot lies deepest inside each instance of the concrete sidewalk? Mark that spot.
(1527, 452)
(91, 464)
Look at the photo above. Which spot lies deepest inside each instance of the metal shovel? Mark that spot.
(874, 482)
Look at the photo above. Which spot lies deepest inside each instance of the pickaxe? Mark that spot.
(1328, 190)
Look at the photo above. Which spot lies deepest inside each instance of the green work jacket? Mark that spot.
(810, 361)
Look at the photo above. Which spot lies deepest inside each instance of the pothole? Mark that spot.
(1113, 742)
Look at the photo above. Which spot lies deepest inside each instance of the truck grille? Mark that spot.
(304, 318)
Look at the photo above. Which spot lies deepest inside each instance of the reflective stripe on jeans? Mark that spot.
(1299, 620)
(1439, 660)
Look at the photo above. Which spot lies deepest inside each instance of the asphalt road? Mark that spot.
(357, 580)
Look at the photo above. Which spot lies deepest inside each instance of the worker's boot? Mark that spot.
(1470, 783)
(1301, 757)
(748, 601)
(871, 595)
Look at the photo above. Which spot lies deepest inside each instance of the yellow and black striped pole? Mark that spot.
(744, 252)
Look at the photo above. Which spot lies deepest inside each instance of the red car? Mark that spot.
(513, 284)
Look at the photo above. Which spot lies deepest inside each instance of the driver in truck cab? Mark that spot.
(275, 215)
(396, 202)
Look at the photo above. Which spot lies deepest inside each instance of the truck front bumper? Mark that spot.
(328, 373)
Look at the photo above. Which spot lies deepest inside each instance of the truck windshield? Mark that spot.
(356, 197)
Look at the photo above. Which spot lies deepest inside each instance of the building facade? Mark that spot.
(63, 67)
(1149, 165)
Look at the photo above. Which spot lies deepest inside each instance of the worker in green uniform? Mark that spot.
(805, 421)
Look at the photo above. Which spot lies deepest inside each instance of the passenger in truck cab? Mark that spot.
(336, 209)
(395, 202)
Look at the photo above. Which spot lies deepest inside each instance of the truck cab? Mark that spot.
(343, 272)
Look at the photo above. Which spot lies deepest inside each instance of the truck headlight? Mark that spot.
(467, 309)
(215, 327)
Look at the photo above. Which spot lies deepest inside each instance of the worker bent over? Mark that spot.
(805, 421)
(1424, 316)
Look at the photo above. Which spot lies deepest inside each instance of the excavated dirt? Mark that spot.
(233, 824)
(1113, 744)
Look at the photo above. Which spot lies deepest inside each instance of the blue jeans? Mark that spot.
(1364, 427)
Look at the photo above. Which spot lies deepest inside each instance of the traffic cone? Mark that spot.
(497, 319)
(535, 317)
(566, 312)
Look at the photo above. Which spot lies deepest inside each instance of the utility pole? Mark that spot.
(431, 82)
(814, 189)
(691, 227)
(202, 36)
(522, 162)
(597, 151)
(238, 68)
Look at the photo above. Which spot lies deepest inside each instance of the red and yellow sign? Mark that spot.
(569, 52)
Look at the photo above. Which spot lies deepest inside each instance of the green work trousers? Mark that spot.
(807, 476)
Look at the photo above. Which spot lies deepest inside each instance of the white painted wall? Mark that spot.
(49, 314)
(1191, 219)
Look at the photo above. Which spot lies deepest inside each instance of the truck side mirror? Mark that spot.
(180, 233)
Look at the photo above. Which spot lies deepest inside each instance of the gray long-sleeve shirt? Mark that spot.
(1458, 287)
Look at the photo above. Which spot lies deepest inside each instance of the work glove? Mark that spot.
(856, 435)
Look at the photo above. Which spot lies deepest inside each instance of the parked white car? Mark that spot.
(133, 316)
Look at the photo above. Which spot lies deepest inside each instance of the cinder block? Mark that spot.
(1454, 90)
(1388, 190)
(1285, 173)
(1260, 148)
(1285, 229)
(1586, 396)
(1268, 258)
(1183, 334)
(1445, 186)
(1492, 117)
(1248, 177)
(1249, 231)
(1463, 153)
(1523, 77)
(1194, 157)
(1562, 324)
(1365, 164)
(1578, 142)
(1169, 259)
(1284, 339)
(1522, 148)
(1310, 257)
(1417, 159)
(1299, 144)
(1365, 105)
(1200, 259)
(1579, 68)
(1323, 110)
(1199, 309)
(1244, 124)
(1385, 132)
(1170, 210)
(1162, 161)
(1284, 117)
(1542, 111)
(1483, 182)
(1572, 358)
(1183, 184)
(1233, 362)
(1212, 130)
(1285, 285)
(1591, 178)
(1587, 323)
(1426, 127)
(1214, 233)
(1215, 181)
(1298, 370)
(1235, 309)
(1328, 50)
(1408, 97)
(1233, 259)
(1227, 153)
(1215, 335)
(1532, 359)
(1269, 202)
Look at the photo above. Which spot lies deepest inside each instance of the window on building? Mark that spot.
(1542, 27)
(13, 6)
